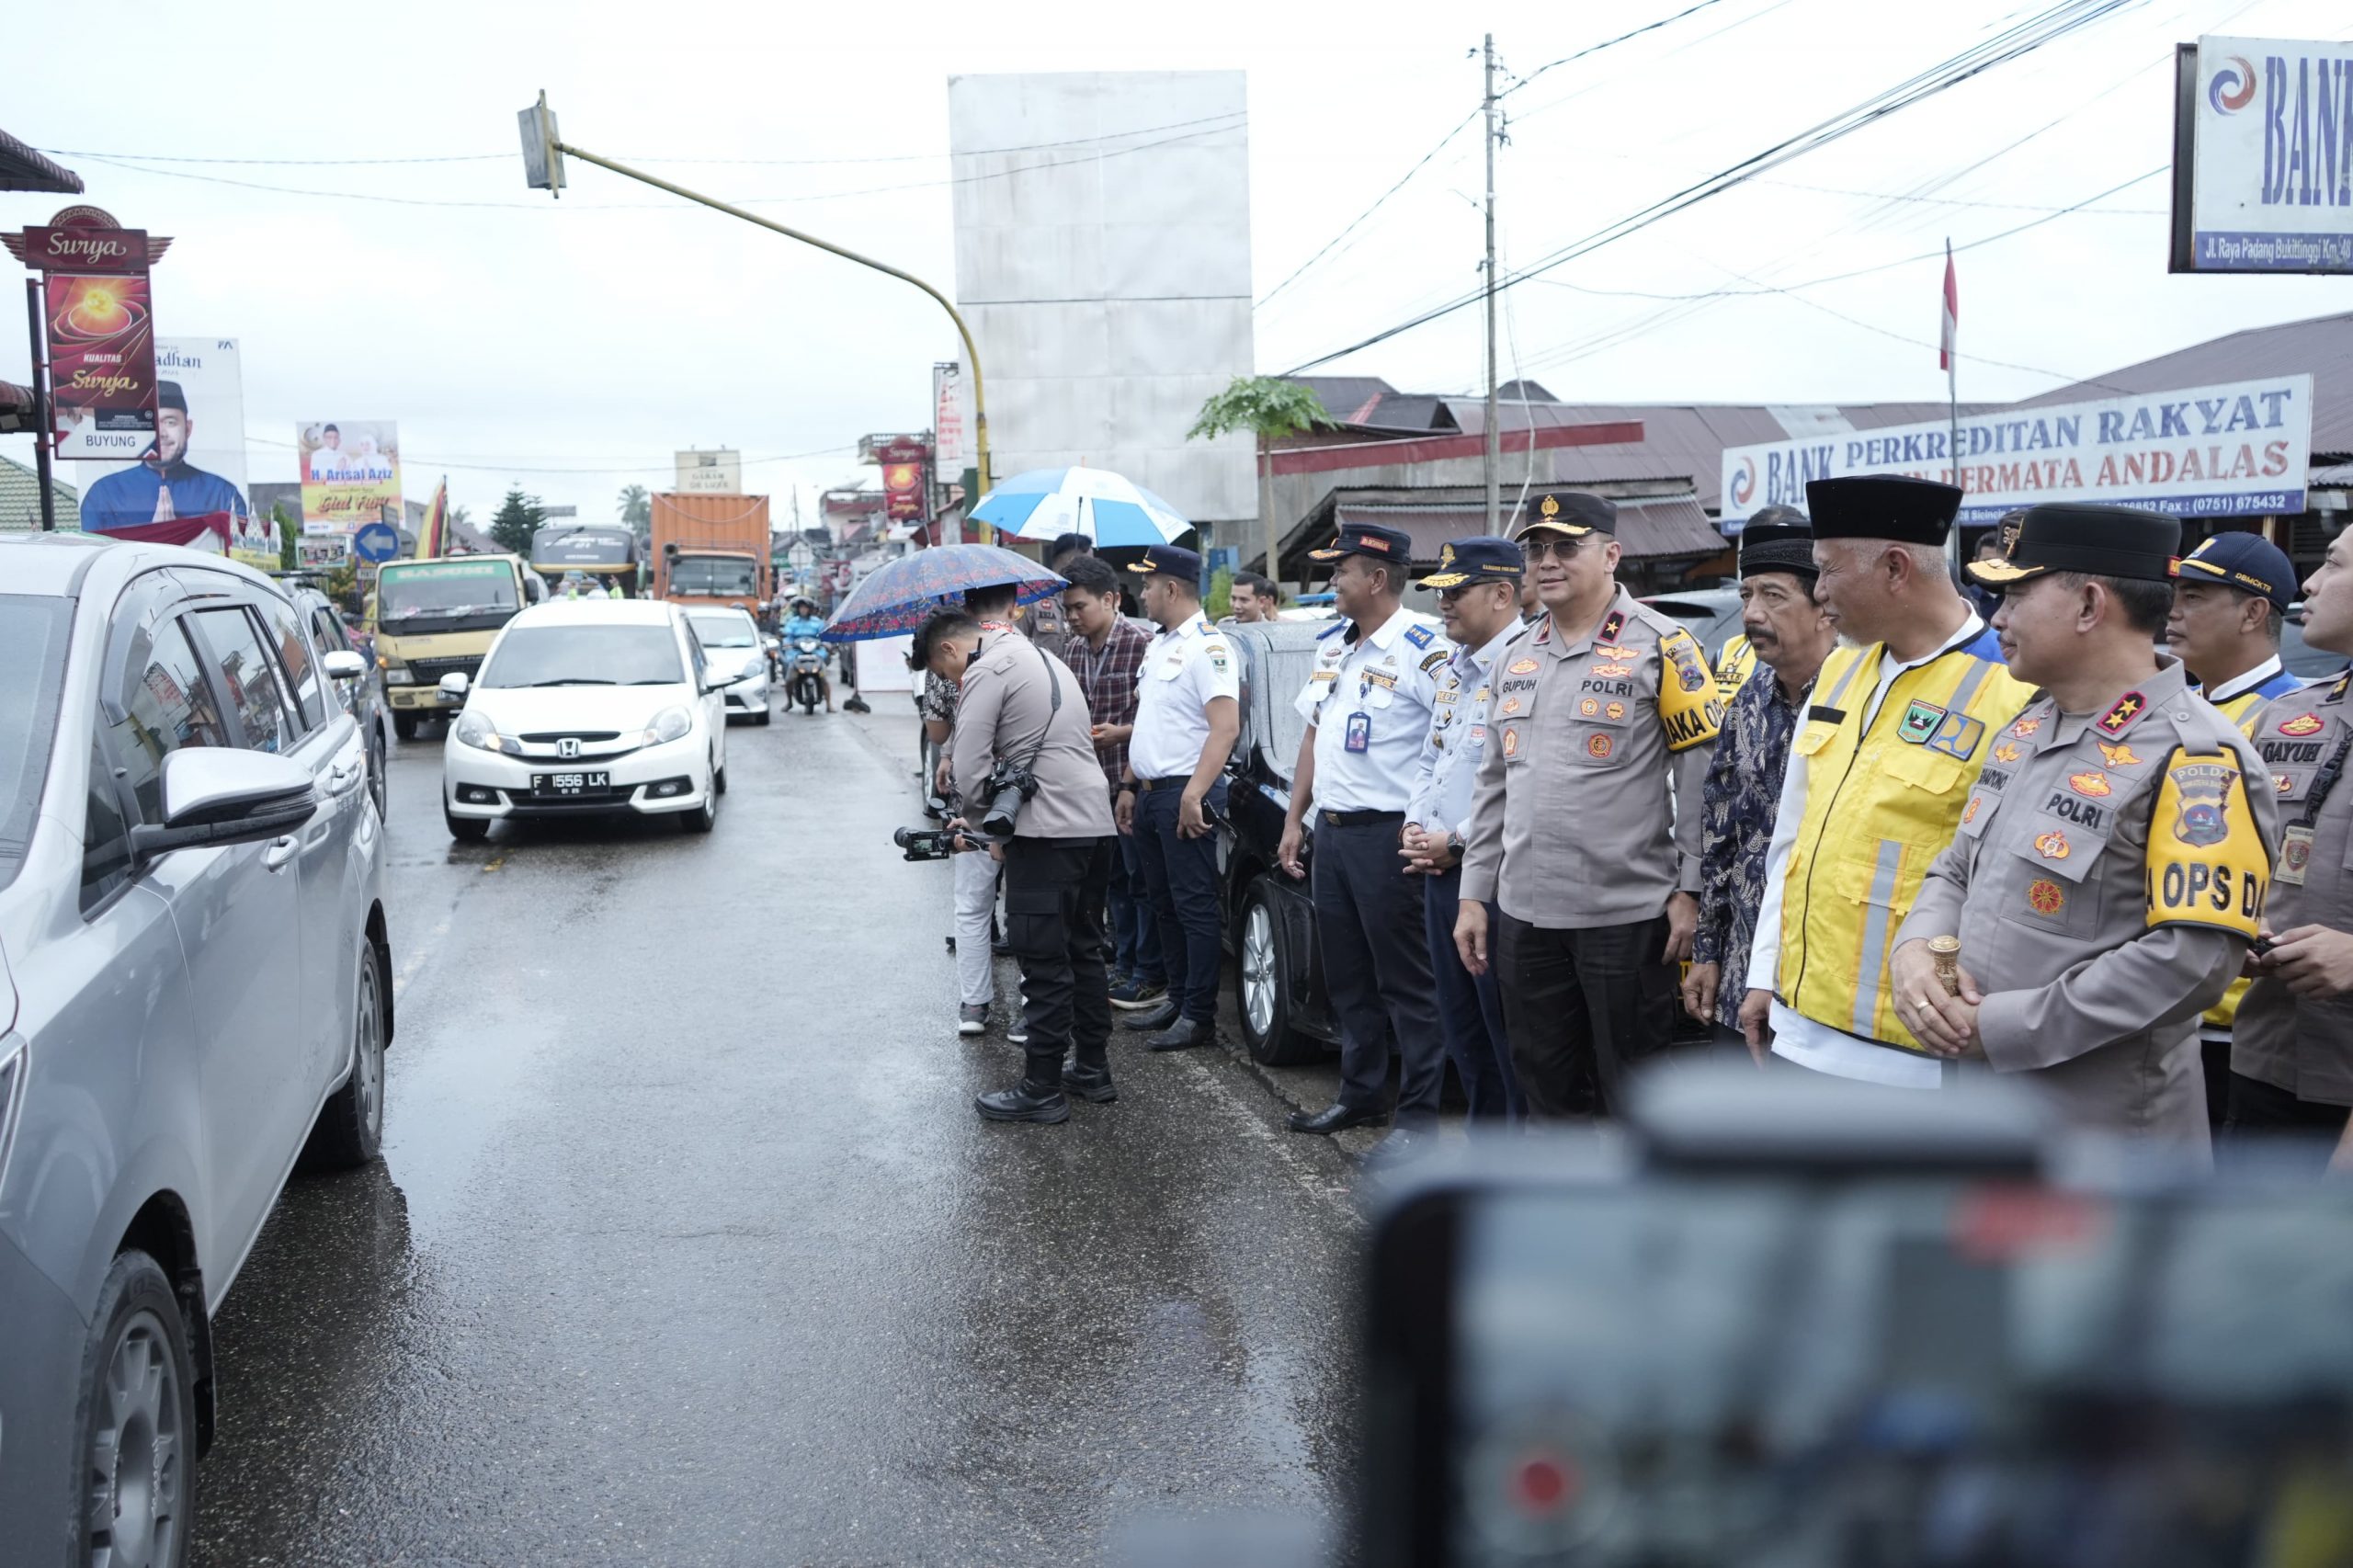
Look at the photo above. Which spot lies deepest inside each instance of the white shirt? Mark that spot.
(2247, 682)
(1183, 672)
(1458, 738)
(1797, 1037)
(1371, 702)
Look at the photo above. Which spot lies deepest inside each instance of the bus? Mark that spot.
(605, 553)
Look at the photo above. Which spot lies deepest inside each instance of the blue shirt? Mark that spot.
(802, 626)
(127, 498)
(1457, 739)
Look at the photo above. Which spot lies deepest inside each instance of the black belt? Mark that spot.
(1360, 819)
(1175, 782)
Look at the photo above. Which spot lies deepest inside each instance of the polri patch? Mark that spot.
(2203, 787)
(2118, 755)
(2052, 845)
(2026, 727)
(1598, 745)
(2301, 724)
(2120, 718)
(2045, 896)
(1522, 668)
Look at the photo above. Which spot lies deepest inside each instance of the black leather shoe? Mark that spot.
(1023, 1103)
(1334, 1117)
(1182, 1035)
(1152, 1019)
(1092, 1084)
(1402, 1144)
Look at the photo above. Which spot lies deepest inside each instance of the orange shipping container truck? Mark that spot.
(713, 550)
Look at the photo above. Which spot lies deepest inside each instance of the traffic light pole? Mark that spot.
(972, 352)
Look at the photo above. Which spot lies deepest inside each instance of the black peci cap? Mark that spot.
(1572, 512)
(1882, 505)
(1777, 546)
(2105, 541)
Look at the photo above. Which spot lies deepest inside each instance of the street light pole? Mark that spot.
(546, 122)
(1495, 437)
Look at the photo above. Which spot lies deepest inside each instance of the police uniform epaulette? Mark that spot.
(1332, 630)
(1658, 621)
(1420, 636)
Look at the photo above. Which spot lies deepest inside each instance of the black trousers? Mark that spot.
(1377, 968)
(1053, 922)
(1180, 874)
(1583, 1008)
(1471, 1009)
(2265, 1114)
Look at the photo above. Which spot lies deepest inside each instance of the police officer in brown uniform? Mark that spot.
(1586, 822)
(2291, 1045)
(2112, 860)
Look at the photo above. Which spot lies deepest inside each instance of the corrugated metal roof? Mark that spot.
(1345, 396)
(1649, 527)
(21, 168)
(2322, 346)
(20, 499)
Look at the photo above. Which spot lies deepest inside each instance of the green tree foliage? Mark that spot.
(1219, 603)
(1268, 406)
(287, 533)
(519, 517)
(637, 507)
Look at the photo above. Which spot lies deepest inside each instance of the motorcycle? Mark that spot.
(804, 673)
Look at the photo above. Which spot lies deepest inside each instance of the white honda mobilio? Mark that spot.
(582, 705)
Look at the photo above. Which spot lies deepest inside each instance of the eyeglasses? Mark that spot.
(1558, 549)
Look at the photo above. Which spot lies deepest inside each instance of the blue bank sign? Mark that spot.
(2262, 156)
(2239, 450)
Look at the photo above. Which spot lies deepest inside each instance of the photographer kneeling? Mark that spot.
(1027, 772)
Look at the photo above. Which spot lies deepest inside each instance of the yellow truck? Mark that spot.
(433, 617)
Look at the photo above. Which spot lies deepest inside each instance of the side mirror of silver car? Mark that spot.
(344, 664)
(215, 795)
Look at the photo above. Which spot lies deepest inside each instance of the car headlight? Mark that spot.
(396, 673)
(474, 730)
(668, 726)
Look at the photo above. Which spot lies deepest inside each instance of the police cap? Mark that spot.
(2105, 541)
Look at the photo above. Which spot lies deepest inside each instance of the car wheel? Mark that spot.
(352, 1124)
(376, 770)
(1262, 985)
(134, 1495)
(405, 726)
(465, 829)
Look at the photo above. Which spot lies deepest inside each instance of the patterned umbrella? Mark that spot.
(1104, 506)
(899, 596)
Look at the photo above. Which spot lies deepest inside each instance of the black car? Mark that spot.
(1270, 918)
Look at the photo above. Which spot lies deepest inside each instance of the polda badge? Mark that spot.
(2295, 855)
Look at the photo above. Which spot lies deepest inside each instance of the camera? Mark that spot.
(1007, 789)
(926, 843)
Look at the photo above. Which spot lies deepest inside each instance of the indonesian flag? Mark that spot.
(430, 541)
(1948, 344)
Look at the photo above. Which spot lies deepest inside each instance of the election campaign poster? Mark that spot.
(351, 474)
(198, 464)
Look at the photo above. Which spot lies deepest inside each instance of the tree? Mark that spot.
(637, 507)
(287, 533)
(1270, 408)
(1219, 602)
(519, 517)
(461, 517)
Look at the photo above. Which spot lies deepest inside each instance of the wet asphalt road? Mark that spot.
(688, 1248)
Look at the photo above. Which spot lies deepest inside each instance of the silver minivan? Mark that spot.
(194, 994)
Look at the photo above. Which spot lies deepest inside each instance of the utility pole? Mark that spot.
(1494, 436)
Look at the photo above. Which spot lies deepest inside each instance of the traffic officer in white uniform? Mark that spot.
(1368, 704)
(1478, 585)
(1188, 713)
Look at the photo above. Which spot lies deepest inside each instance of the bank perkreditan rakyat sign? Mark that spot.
(2236, 451)
(2262, 156)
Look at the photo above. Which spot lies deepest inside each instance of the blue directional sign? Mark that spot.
(376, 542)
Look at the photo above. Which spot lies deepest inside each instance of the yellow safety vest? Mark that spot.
(2242, 710)
(1735, 661)
(1879, 807)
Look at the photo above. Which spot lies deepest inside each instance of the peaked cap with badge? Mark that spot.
(2105, 541)
(1571, 513)
(1482, 558)
(1368, 538)
(2249, 563)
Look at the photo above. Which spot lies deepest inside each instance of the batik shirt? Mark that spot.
(1742, 792)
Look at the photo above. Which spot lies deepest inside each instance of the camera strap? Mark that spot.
(1053, 707)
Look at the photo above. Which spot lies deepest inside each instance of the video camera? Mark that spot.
(927, 842)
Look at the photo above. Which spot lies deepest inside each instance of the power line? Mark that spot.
(496, 157)
(1358, 220)
(1606, 43)
(2055, 21)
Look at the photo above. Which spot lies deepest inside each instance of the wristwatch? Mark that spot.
(1127, 787)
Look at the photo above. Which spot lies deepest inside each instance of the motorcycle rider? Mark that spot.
(804, 621)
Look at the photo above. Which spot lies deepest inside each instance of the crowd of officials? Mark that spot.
(2069, 821)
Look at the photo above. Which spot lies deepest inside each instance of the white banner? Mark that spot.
(200, 463)
(2272, 186)
(2239, 450)
(951, 421)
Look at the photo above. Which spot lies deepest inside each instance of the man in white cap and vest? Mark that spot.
(1899, 725)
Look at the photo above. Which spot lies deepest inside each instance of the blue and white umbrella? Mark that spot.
(1104, 506)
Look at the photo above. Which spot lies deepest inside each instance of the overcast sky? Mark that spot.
(571, 346)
